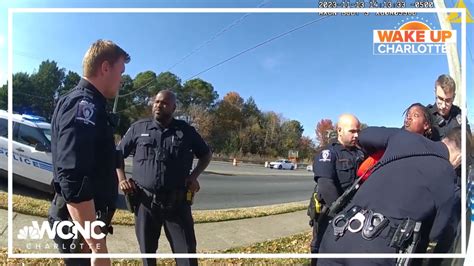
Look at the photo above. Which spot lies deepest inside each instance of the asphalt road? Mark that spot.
(248, 185)
(221, 192)
(224, 186)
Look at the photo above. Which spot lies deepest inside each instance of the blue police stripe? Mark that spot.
(36, 163)
(43, 165)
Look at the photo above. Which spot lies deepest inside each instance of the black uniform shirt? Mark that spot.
(163, 157)
(421, 188)
(83, 148)
(441, 125)
(339, 164)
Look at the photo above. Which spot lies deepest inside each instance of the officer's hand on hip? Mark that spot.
(192, 184)
(127, 186)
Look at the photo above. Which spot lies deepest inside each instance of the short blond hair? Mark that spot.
(447, 83)
(100, 51)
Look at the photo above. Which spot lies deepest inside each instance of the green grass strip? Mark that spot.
(39, 207)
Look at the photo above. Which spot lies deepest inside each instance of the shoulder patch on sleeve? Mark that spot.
(325, 156)
(86, 112)
(459, 119)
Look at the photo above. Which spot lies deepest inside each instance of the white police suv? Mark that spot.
(31, 150)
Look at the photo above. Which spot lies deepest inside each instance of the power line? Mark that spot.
(242, 52)
(32, 95)
(142, 87)
(215, 36)
(32, 56)
(258, 45)
(230, 26)
(239, 54)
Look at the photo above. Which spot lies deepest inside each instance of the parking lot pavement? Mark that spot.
(210, 236)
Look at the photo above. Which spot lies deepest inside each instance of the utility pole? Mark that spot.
(451, 53)
(115, 116)
(114, 110)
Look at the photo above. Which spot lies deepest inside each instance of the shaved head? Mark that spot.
(169, 95)
(347, 119)
(348, 127)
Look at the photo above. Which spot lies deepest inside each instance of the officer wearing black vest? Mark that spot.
(446, 116)
(83, 150)
(163, 149)
(335, 169)
(412, 184)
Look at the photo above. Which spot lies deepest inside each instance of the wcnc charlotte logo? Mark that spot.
(412, 38)
(62, 229)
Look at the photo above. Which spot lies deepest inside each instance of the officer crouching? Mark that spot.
(161, 190)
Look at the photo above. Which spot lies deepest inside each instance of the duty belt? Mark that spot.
(368, 222)
(163, 199)
(403, 234)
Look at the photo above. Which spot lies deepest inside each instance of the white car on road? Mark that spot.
(282, 164)
(31, 150)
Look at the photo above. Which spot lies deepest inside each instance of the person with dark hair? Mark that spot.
(418, 120)
(412, 184)
(83, 149)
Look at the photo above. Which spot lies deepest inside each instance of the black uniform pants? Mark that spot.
(179, 229)
(318, 232)
(58, 212)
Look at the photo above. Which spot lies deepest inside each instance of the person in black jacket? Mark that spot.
(446, 116)
(413, 184)
(83, 148)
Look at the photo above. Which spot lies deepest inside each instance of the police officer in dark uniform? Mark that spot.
(412, 184)
(83, 149)
(164, 149)
(446, 116)
(335, 169)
